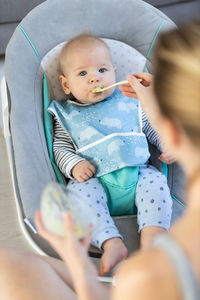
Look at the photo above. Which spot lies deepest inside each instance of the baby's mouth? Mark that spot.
(97, 89)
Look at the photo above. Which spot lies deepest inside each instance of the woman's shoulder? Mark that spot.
(146, 275)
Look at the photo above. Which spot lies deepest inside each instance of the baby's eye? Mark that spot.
(102, 70)
(82, 73)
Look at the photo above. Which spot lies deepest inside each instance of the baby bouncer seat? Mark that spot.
(130, 27)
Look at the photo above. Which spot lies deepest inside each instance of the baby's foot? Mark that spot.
(114, 252)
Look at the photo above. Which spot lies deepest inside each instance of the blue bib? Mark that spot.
(107, 133)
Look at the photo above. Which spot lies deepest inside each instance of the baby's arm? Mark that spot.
(154, 139)
(70, 164)
(150, 133)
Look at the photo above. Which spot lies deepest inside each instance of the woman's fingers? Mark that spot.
(136, 87)
(130, 95)
(68, 223)
(70, 229)
(124, 86)
(146, 77)
(135, 83)
(42, 230)
(39, 224)
(128, 89)
(86, 241)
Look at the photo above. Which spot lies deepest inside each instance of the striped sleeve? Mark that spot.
(150, 133)
(64, 150)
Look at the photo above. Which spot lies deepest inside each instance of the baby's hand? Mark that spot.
(167, 157)
(83, 170)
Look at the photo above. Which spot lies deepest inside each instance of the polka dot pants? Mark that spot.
(92, 192)
(153, 201)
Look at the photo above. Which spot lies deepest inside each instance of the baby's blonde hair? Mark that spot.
(177, 78)
(83, 39)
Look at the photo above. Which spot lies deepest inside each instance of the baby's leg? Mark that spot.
(154, 204)
(105, 235)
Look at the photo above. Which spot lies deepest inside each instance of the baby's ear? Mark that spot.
(115, 69)
(63, 82)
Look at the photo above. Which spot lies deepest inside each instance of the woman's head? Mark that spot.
(177, 78)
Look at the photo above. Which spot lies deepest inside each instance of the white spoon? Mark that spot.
(102, 89)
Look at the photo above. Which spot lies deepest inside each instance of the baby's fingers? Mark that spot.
(92, 169)
(83, 177)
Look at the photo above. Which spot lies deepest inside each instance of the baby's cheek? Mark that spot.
(110, 91)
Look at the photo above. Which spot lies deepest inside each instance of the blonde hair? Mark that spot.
(177, 78)
(83, 39)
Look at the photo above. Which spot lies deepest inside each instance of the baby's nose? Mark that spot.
(94, 79)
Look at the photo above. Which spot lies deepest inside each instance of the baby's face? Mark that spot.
(87, 68)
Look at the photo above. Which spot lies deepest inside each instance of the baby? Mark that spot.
(100, 144)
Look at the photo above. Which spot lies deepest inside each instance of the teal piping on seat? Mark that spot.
(46, 115)
(152, 43)
(165, 172)
(177, 200)
(147, 70)
(28, 39)
(154, 39)
(165, 169)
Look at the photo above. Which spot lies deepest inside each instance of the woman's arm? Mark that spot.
(146, 275)
(74, 254)
(144, 92)
(150, 133)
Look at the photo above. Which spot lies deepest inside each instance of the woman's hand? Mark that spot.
(136, 88)
(144, 92)
(73, 252)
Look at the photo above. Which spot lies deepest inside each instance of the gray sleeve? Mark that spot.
(64, 150)
(150, 133)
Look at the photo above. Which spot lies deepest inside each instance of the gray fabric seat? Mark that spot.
(43, 28)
